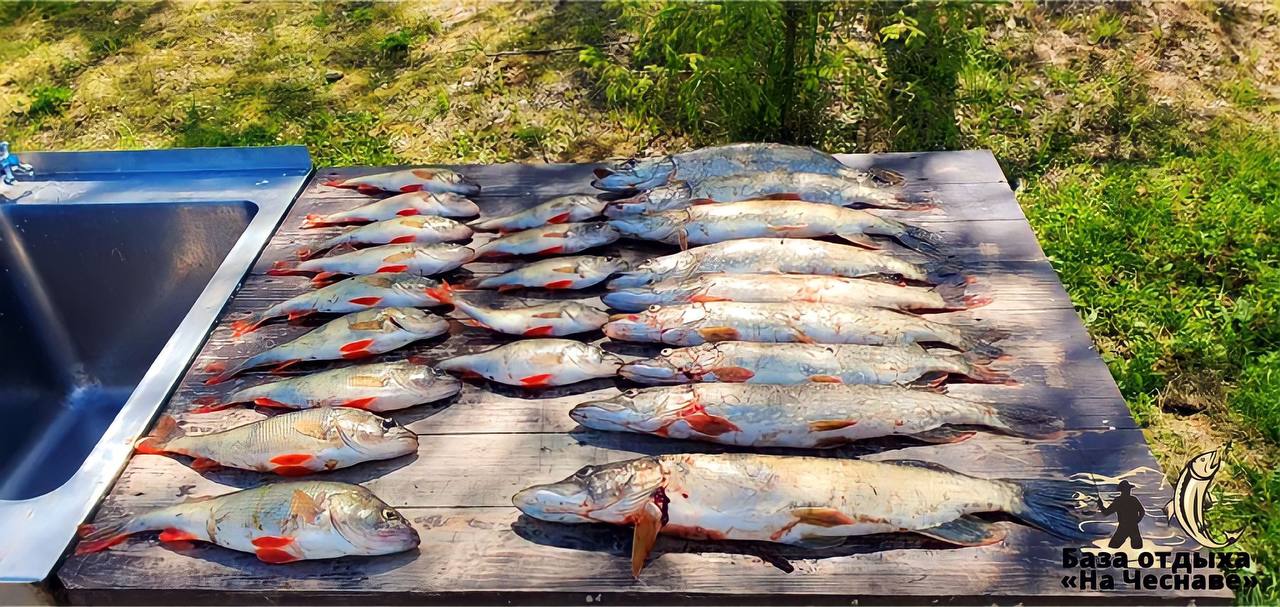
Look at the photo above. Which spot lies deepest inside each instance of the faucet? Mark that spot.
(10, 164)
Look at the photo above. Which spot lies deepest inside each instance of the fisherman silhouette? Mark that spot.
(1129, 512)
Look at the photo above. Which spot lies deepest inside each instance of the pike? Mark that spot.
(356, 335)
(561, 209)
(414, 229)
(712, 223)
(782, 288)
(693, 324)
(552, 319)
(559, 273)
(806, 501)
(771, 185)
(377, 387)
(401, 205)
(279, 523)
(291, 444)
(346, 296)
(420, 259)
(696, 165)
(435, 180)
(807, 416)
(536, 363)
(783, 256)
(550, 240)
(737, 361)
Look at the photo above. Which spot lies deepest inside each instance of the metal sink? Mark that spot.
(113, 268)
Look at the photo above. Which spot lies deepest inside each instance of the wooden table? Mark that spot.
(480, 448)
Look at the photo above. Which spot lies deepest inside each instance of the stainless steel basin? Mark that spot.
(113, 268)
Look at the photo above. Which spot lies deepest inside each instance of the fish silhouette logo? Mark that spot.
(1191, 499)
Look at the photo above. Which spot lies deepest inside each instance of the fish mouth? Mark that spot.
(601, 415)
(467, 186)
(628, 300)
(632, 278)
(563, 502)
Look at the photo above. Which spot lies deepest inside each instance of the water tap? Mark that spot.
(11, 166)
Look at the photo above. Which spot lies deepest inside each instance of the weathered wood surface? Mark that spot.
(477, 449)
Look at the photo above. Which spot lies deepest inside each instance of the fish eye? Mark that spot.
(631, 392)
(667, 352)
(655, 308)
(390, 514)
(388, 423)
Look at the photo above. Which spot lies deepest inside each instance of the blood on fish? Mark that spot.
(293, 470)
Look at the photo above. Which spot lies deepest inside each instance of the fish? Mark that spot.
(278, 523)
(712, 223)
(291, 444)
(552, 319)
(561, 209)
(771, 185)
(784, 256)
(420, 259)
(1192, 500)
(356, 335)
(425, 179)
(693, 324)
(648, 173)
(807, 416)
(577, 272)
(550, 240)
(377, 387)
(346, 296)
(401, 205)
(738, 361)
(782, 288)
(536, 363)
(413, 229)
(806, 501)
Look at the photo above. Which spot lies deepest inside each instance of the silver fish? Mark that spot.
(559, 273)
(401, 205)
(291, 444)
(738, 361)
(378, 387)
(536, 363)
(783, 256)
(550, 240)
(772, 185)
(693, 324)
(551, 319)
(730, 159)
(711, 223)
(807, 416)
(426, 179)
(414, 229)
(420, 259)
(356, 335)
(279, 522)
(562, 209)
(782, 288)
(350, 295)
(806, 501)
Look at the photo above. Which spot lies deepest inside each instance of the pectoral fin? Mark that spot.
(943, 435)
(965, 531)
(861, 240)
(648, 524)
(821, 517)
(718, 333)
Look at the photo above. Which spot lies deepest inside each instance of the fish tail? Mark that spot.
(248, 324)
(209, 404)
(1028, 422)
(943, 272)
(981, 340)
(914, 201)
(978, 368)
(313, 220)
(285, 268)
(959, 296)
(915, 238)
(229, 373)
(96, 537)
(165, 431)
(1056, 506)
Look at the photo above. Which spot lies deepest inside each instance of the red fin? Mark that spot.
(471, 322)
(391, 269)
(505, 288)
(365, 188)
(733, 374)
(407, 212)
(413, 187)
(246, 325)
(204, 464)
(271, 541)
(365, 301)
(291, 459)
(825, 379)
(831, 424)
(166, 429)
(99, 544)
(442, 293)
(176, 535)
(269, 403)
(718, 333)
(274, 556)
(402, 239)
(558, 284)
(549, 251)
(323, 279)
(360, 403)
(294, 316)
(314, 221)
(539, 331)
(285, 268)
(304, 252)
(334, 183)
(536, 380)
(356, 354)
(280, 368)
(209, 404)
(561, 218)
(359, 344)
(706, 298)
